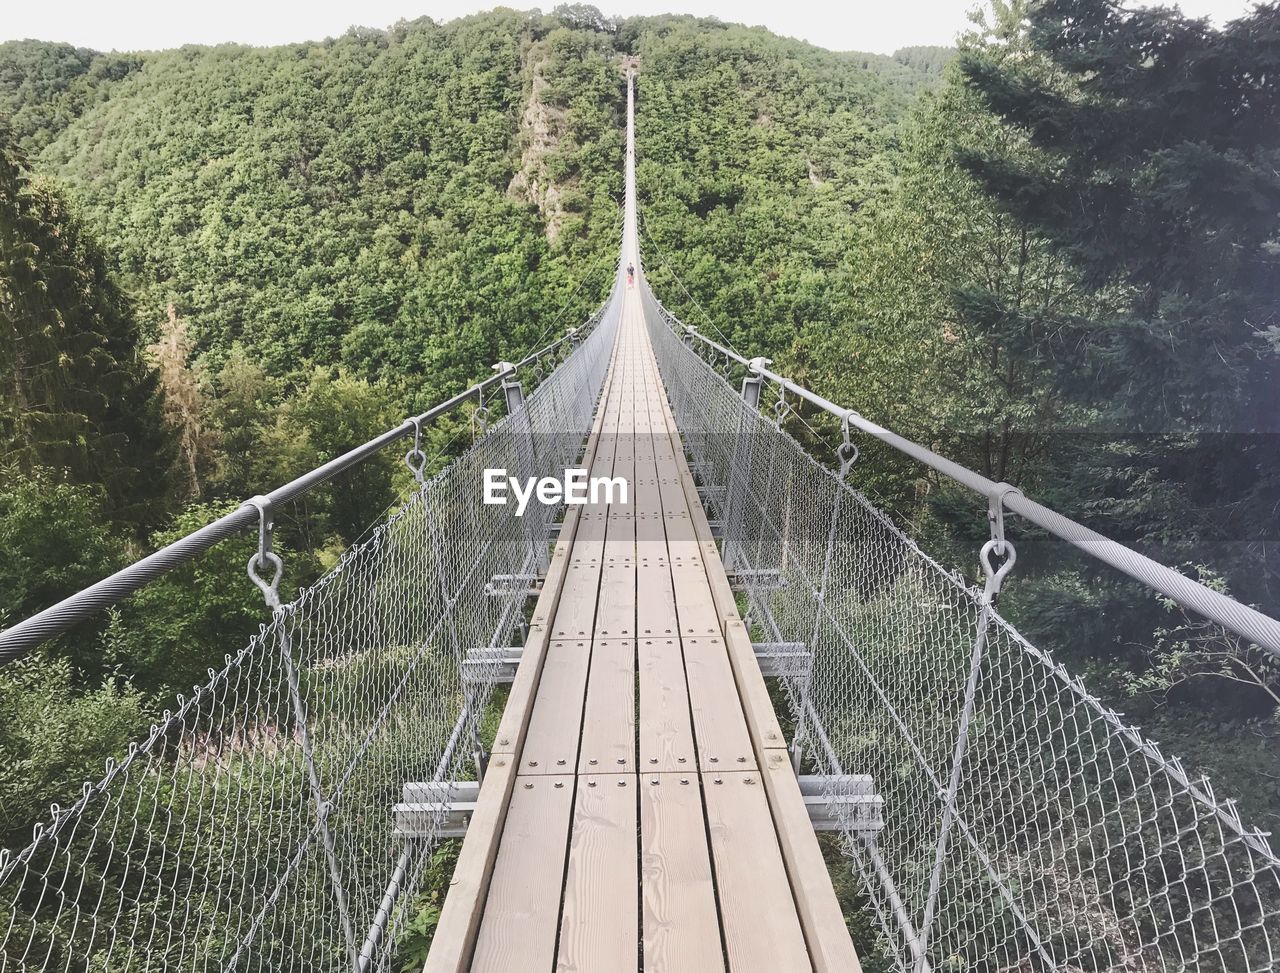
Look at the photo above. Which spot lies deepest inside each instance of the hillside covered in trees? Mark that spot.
(1051, 256)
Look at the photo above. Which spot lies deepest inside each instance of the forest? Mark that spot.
(1051, 253)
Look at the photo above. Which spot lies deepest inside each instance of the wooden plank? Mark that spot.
(719, 726)
(648, 499)
(830, 947)
(616, 610)
(757, 707)
(551, 744)
(609, 718)
(666, 732)
(694, 605)
(576, 613)
(761, 929)
(680, 925)
(518, 931)
(601, 893)
(656, 599)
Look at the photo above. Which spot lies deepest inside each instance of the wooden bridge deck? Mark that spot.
(640, 810)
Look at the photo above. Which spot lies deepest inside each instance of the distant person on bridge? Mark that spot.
(631, 274)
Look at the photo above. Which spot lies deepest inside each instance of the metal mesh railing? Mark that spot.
(253, 829)
(1026, 826)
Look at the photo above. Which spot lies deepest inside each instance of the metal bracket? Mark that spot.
(528, 585)
(443, 809)
(791, 660)
(265, 557)
(436, 809)
(769, 579)
(512, 391)
(416, 459)
(847, 451)
(498, 663)
(843, 802)
(998, 545)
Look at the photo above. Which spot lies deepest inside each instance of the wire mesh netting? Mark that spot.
(1026, 826)
(253, 828)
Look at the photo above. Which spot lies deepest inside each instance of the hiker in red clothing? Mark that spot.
(631, 275)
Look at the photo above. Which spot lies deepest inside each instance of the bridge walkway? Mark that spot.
(640, 810)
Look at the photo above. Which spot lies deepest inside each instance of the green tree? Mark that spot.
(1153, 168)
(55, 735)
(78, 395)
(53, 536)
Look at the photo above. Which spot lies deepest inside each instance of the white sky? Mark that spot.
(862, 25)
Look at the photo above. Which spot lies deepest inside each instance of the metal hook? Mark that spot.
(995, 513)
(416, 459)
(781, 407)
(265, 556)
(996, 576)
(480, 418)
(847, 452)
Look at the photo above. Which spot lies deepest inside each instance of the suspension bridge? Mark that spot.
(694, 684)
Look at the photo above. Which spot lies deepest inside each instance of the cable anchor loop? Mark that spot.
(781, 407)
(847, 452)
(480, 418)
(416, 459)
(999, 545)
(265, 557)
(995, 513)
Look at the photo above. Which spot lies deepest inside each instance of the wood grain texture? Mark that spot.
(609, 719)
(666, 732)
(680, 925)
(762, 932)
(601, 893)
(518, 931)
(616, 609)
(719, 726)
(551, 744)
(656, 599)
